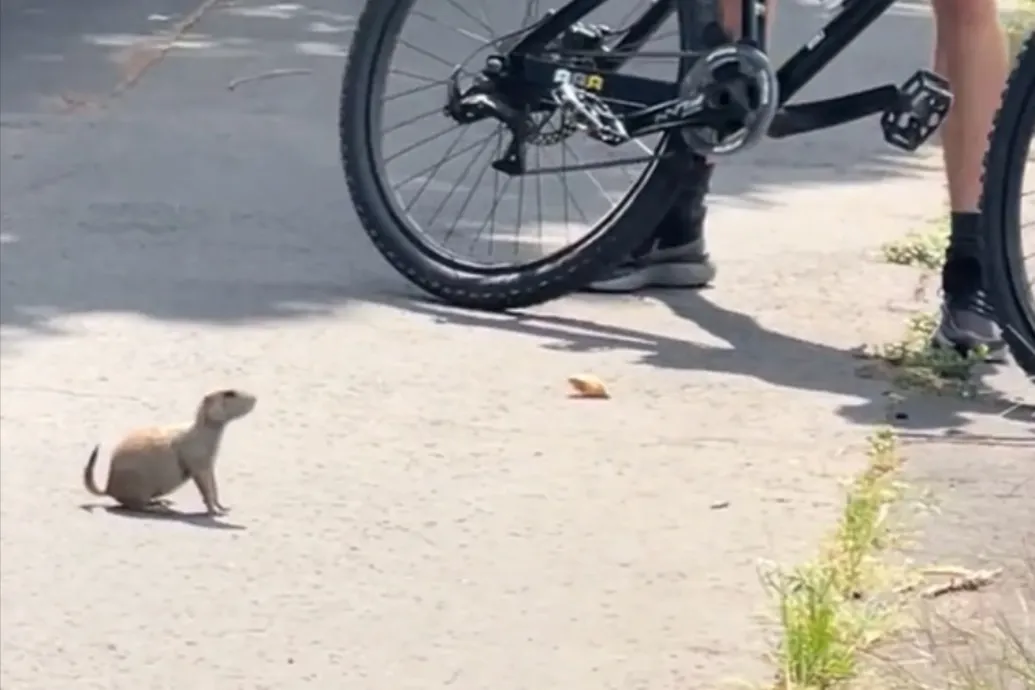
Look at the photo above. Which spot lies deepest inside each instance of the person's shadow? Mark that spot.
(776, 358)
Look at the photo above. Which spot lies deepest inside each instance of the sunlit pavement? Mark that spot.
(416, 502)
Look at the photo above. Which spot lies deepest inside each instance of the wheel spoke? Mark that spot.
(539, 194)
(485, 142)
(415, 118)
(414, 75)
(424, 171)
(569, 195)
(593, 179)
(517, 226)
(445, 159)
(463, 32)
(497, 195)
(417, 89)
(425, 53)
(484, 23)
(421, 142)
(470, 193)
(446, 188)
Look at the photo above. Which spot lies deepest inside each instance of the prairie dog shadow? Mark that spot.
(196, 519)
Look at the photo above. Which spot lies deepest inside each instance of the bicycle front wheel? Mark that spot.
(423, 185)
(1010, 250)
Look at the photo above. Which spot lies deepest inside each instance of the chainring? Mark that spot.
(754, 64)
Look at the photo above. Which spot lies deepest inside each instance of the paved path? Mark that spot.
(416, 503)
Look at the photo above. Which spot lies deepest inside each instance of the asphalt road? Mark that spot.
(416, 503)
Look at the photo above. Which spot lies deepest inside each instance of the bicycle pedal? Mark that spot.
(923, 104)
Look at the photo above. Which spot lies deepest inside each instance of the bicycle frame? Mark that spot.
(634, 95)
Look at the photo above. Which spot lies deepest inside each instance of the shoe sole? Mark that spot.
(665, 275)
(996, 351)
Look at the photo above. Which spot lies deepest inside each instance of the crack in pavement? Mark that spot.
(139, 58)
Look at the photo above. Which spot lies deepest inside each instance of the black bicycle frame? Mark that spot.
(630, 95)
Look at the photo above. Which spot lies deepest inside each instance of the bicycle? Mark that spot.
(1001, 203)
(557, 77)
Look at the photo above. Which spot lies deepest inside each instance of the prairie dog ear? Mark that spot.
(210, 407)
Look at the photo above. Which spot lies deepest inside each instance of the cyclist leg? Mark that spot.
(675, 254)
(970, 50)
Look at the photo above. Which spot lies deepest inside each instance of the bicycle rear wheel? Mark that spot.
(1008, 164)
(531, 275)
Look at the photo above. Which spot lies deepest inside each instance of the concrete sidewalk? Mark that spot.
(416, 502)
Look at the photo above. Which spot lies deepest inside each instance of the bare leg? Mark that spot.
(732, 11)
(970, 50)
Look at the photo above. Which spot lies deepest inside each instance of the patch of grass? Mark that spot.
(840, 612)
(912, 363)
(1019, 23)
(865, 530)
(925, 250)
(834, 610)
(822, 633)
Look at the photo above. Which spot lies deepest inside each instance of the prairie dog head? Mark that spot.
(220, 407)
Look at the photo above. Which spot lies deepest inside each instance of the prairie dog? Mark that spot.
(150, 463)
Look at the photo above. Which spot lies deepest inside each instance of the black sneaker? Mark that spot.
(680, 266)
(967, 320)
(966, 325)
(675, 256)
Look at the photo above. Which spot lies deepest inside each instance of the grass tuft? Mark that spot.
(925, 250)
(839, 613)
(1019, 23)
(833, 610)
(912, 363)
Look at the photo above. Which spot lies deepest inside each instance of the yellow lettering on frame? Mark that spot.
(594, 82)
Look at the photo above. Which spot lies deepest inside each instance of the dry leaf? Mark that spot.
(588, 386)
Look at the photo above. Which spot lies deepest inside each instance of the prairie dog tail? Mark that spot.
(88, 481)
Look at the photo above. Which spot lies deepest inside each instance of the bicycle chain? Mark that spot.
(554, 135)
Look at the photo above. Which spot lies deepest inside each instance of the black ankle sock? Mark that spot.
(965, 233)
(962, 270)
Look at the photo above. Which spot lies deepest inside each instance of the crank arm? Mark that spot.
(831, 112)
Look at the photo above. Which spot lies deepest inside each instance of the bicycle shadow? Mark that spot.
(755, 352)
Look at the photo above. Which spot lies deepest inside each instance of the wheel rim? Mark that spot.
(435, 175)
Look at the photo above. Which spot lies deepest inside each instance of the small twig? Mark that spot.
(142, 56)
(946, 570)
(907, 587)
(272, 74)
(970, 583)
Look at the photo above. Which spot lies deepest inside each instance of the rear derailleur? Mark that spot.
(538, 122)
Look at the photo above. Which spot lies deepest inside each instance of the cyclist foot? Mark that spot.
(683, 266)
(675, 255)
(966, 326)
